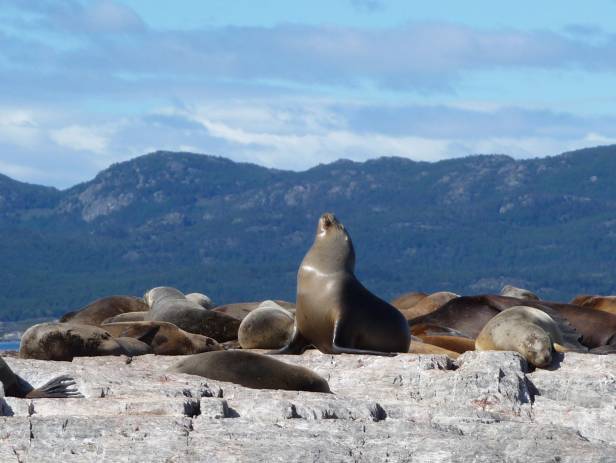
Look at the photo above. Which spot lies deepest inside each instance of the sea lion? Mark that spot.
(407, 300)
(170, 305)
(269, 326)
(64, 341)
(240, 310)
(603, 303)
(57, 388)
(529, 331)
(126, 317)
(457, 344)
(420, 347)
(251, 370)
(428, 304)
(519, 293)
(201, 299)
(335, 312)
(168, 339)
(101, 309)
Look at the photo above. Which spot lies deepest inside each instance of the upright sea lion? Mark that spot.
(168, 339)
(335, 313)
(101, 309)
(269, 326)
(170, 305)
(201, 299)
(520, 293)
(251, 370)
(57, 388)
(603, 303)
(529, 331)
(428, 304)
(407, 300)
(64, 341)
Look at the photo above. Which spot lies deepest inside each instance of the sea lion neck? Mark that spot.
(331, 252)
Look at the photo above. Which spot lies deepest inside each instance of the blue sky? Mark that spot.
(290, 84)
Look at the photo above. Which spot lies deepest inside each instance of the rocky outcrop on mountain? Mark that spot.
(487, 406)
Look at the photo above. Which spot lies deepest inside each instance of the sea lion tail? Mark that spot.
(57, 388)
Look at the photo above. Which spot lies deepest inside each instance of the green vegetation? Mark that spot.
(238, 231)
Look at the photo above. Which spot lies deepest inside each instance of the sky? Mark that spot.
(291, 84)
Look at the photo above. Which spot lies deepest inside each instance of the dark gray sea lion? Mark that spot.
(335, 312)
(64, 341)
(520, 293)
(101, 309)
(170, 305)
(240, 310)
(201, 299)
(251, 370)
(526, 330)
(269, 326)
(167, 339)
(126, 317)
(57, 388)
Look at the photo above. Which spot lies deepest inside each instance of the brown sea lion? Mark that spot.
(453, 343)
(170, 305)
(526, 330)
(251, 370)
(64, 341)
(14, 386)
(168, 339)
(101, 309)
(335, 312)
(239, 310)
(269, 326)
(603, 303)
(428, 304)
(420, 347)
(519, 293)
(407, 300)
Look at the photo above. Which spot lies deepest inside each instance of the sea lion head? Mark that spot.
(333, 244)
(538, 347)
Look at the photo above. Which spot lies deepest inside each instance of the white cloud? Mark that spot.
(81, 138)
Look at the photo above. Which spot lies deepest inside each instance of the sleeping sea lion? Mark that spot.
(526, 330)
(420, 347)
(101, 309)
(64, 341)
(251, 370)
(57, 388)
(457, 344)
(125, 317)
(407, 300)
(335, 312)
(269, 326)
(428, 304)
(240, 310)
(519, 293)
(170, 305)
(603, 303)
(201, 299)
(168, 339)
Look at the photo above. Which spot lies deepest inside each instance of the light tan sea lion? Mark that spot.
(64, 341)
(269, 326)
(168, 339)
(529, 331)
(457, 344)
(603, 303)
(101, 309)
(519, 293)
(170, 305)
(251, 370)
(201, 299)
(420, 347)
(407, 300)
(428, 304)
(14, 386)
(335, 312)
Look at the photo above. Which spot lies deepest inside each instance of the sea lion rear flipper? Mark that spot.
(296, 346)
(59, 387)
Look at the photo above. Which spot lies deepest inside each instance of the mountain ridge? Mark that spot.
(239, 230)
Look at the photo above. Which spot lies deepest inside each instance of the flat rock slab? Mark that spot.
(486, 406)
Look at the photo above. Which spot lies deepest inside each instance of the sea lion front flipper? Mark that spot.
(337, 349)
(561, 348)
(296, 346)
(57, 388)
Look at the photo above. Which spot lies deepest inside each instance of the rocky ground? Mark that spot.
(485, 407)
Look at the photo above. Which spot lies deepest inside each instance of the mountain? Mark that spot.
(238, 231)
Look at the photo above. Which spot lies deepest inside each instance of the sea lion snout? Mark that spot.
(327, 220)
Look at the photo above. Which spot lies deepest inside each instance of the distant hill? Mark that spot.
(238, 231)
